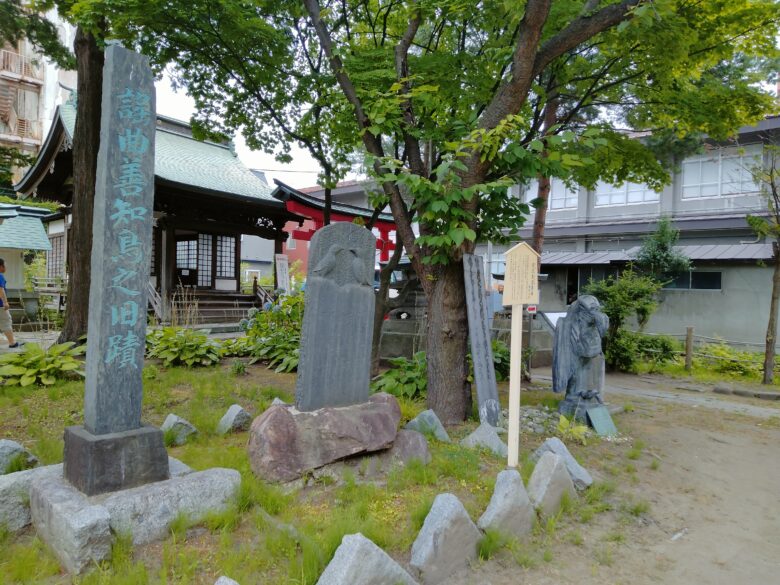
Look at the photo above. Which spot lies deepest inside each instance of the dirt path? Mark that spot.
(713, 516)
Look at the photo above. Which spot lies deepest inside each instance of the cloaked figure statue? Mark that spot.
(578, 361)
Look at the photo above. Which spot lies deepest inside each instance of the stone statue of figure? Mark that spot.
(578, 362)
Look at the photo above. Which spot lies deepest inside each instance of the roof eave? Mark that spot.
(278, 205)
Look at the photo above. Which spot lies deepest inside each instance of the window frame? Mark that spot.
(749, 153)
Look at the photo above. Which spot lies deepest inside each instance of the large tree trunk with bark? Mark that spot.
(86, 140)
(771, 329)
(449, 393)
(540, 217)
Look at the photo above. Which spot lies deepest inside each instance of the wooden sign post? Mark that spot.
(521, 287)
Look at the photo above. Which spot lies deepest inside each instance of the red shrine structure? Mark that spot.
(312, 210)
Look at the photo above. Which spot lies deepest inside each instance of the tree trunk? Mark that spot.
(449, 394)
(771, 328)
(86, 140)
(382, 305)
(540, 216)
(328, 205)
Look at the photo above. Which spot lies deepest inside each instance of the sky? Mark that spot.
(302, 172)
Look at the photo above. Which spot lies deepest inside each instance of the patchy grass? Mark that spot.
(271, 534)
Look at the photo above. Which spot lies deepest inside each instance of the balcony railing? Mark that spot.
(19, 65)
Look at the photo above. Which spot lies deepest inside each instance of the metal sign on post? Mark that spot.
(521, 287)
(531, 309)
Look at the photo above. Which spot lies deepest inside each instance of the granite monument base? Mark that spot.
(80, 530)
(96, 464)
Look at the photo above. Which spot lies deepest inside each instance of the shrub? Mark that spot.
(34, 365)
(657, 348)
(274, 336)
(727, 360)
(501, 360)
(407, 378)
(622, 351)
(236, 347)
(176, 346)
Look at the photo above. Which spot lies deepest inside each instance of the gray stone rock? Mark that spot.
(358, 561)
(335, 356)
(177, 468)
(225, 581)
(285, 443)
(428, 423)
(181, 428)
(579, 475)
(15, 494)
(446, 543)
(548, 483)
(235, 419)
(10, 451)
(510, 510)
(278, 401)
(146, 512)
(76, 530)
(408, 446)
(486, 437)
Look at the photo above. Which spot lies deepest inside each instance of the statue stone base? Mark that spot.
(576, 406)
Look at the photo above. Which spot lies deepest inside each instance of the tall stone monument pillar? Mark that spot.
(335, 361)
(113, 450)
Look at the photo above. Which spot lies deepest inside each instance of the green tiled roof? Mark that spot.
(25, 231)
(187, 161)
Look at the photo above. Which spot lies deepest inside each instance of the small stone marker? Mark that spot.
(235, 419)
(225, 581)
(479, 338)
(447, 541)
(601, 421)
(113, 450)
(510, 510)
(521, 287)
(486, 436)
(579, 475)
(428, 423)
(181, 428)
(11, 451)
(358, 561)
(549, 481)
(335, 354)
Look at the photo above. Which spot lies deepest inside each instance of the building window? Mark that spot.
(204, 259)
(624, 194)
(187, 254)
(695, 280)
(721, 172)
(561, 196)
(55, 258)
(226, 257)
(291, 244)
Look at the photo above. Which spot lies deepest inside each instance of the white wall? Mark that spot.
(14, 267)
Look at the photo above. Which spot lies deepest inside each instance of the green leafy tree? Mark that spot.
(448, 103)
(629, 295)
(766, 174)
(19, 20)
(657, 256)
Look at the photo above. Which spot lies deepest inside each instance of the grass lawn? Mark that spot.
(275, 536)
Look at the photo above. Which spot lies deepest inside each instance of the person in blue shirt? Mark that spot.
(6, 325)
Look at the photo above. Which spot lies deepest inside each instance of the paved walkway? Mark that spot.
(670, 390)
